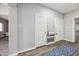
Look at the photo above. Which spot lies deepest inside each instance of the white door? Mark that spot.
(58, 28)
(40, 30)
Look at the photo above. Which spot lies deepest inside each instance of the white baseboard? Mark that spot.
(25, 50)
(69, 40)
(50, 43)
(15, 54)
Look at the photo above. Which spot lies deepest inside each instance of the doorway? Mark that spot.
(4, 38)
(76, 30)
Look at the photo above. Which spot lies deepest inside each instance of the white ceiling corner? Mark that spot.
(62, 7)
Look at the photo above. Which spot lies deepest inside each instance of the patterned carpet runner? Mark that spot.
(64, 50)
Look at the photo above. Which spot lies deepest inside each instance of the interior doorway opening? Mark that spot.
(4, 38)
(77, 30)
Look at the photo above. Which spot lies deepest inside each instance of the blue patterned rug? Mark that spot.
(64, 50)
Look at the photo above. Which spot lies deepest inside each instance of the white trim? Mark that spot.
(50, 43)
(25, 50)
(15, 54)
(69, 40)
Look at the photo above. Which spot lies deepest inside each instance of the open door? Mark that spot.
(41, 29)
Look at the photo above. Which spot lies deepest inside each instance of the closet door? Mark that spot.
(58, 28)
(41, 29)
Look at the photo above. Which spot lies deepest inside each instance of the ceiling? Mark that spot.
(4, 11)
(62, 7)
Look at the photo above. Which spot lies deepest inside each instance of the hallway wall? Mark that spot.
(26, 16)
(22, 25)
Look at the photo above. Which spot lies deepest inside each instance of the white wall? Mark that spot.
(27, 27)
(56, 24)
(69, 24)
(26, 18)
(51, 22)
(4, 9)
(13, 29)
